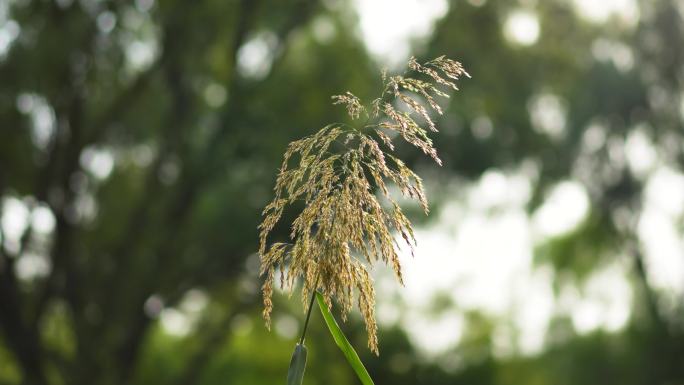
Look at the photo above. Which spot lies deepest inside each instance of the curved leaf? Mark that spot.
(343, 343)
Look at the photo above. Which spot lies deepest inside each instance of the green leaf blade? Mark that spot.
(343, 343)
(295, 374)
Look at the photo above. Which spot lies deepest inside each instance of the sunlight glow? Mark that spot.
(255, 57)
(42, 219)
(548, 115)
(323, 29)
(600, 11)
(620, 54)
(522, 27)
(566, 206)
(97, 161)
(15, 220)
(479, 254)
(106, 21)
(606, 301)
(139, 39)
(658, 229)
(182, 320)
(640, 152)
(174, 322)
(30, 266)
(448, 326)
(140, 54)
(389, 26)
(42, 117)
(8, 34)
(532, 308)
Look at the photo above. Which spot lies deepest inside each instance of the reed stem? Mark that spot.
(308, 315)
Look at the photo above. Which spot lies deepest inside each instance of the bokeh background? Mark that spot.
(139, 141)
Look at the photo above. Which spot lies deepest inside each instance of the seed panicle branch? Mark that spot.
(343, 228)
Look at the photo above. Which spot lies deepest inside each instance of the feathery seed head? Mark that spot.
(343, 228)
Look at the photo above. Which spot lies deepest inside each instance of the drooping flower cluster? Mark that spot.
(343, 227)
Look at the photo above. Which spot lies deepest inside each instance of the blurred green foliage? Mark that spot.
(153, 140)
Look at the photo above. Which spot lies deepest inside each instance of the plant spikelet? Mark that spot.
(353, 104)
(342, 227)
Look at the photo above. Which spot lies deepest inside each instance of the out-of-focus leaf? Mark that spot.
(295, 374)
(343, 343)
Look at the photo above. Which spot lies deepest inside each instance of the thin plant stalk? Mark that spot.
(308, 316)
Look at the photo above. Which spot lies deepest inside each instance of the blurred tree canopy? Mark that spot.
(139, 142)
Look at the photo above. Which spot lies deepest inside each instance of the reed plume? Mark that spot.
(343, 227)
